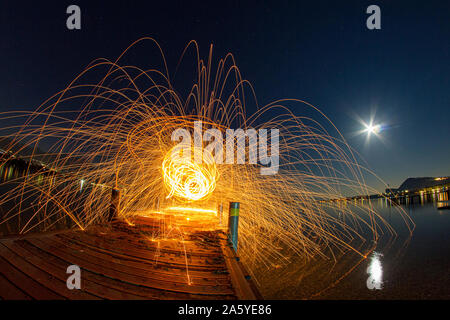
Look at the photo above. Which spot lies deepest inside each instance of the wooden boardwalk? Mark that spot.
(142, 258)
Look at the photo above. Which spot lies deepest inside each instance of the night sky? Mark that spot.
(320, 51)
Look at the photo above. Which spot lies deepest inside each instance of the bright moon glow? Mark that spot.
(372, 129)
(185, 179)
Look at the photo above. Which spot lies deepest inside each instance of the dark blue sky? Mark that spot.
(318, 51)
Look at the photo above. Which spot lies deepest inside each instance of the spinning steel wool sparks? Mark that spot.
(115, 132)
(187, 180)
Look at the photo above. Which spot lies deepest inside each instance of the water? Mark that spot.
(402, 267)
(412, 268)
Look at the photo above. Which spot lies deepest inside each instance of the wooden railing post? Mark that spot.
(115, 204)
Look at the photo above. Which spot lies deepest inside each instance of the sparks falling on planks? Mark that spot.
(115, 132)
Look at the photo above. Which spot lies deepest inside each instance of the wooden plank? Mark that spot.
(50, 277)
(108, 271)
(179, 220)
(141, 240)
(213, 285)
(121, 261)
(31, 287)
(121, 247)
(193, 249)
(148, 269)
(100, 286)
(243, 288)
(11, 292)
(104, 286)
(148, 252)
(114, 251)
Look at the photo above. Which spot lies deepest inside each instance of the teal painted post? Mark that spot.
(233, 223)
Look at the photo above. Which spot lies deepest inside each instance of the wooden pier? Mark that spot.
(127, 259)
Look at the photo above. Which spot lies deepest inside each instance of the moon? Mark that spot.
(372, 129)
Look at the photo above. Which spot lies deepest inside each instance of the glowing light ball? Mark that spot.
(187, 180)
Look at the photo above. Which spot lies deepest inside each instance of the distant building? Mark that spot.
(416, 184)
